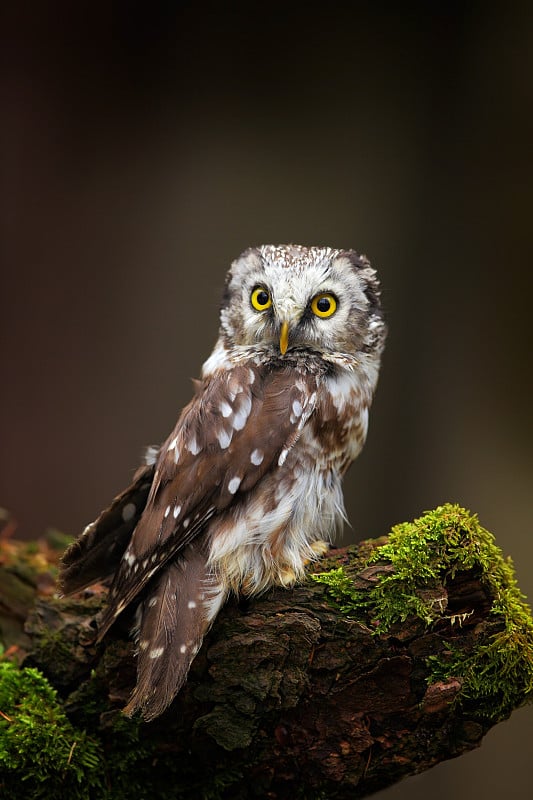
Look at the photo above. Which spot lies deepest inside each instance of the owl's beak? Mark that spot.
(284, 338)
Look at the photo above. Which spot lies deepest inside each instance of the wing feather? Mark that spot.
(96, 554)
(171, 631)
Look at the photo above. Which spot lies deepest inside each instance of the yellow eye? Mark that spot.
(323, 305)
(260, 298)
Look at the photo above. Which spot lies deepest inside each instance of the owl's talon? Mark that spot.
(320, 547)
(287, 577)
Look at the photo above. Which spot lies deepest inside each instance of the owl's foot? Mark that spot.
(287, 577)
(320, 547)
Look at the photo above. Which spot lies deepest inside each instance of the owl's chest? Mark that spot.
(298, 501)
(337, 430)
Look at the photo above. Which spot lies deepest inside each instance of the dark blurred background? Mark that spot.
(143, 150)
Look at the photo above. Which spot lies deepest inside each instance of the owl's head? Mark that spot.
(278, 298)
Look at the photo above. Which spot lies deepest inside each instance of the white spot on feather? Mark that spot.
(224, 438)
(257, 457)
(152, 601)
(234, 484)
(176, 511)
(183, 648)
(225, 408)
(282, 457)
(234, 387)
(239, 420)
(297, 408)
(157, 652)
(193, 447)
(129, 557)
(173, 443)
(191, 604)
(167, 511)
(128, 512)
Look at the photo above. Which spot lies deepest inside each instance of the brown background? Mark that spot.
(143, 152)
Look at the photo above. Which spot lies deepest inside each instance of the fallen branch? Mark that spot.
(399, 654)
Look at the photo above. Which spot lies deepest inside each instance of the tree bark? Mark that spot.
(290, 696)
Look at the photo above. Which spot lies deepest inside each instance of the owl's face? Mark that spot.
(320, 299)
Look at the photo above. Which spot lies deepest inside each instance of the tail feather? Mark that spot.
(98, 551)
(174, 619)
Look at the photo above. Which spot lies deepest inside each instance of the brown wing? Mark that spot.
(237, 427)
(171, 630)
(96, 554)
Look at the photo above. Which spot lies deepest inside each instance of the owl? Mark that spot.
(246, 491)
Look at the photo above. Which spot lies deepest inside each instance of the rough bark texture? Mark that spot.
(289, 697)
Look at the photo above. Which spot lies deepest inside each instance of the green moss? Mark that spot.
(44, 755)
(402, 580)
(41, 753)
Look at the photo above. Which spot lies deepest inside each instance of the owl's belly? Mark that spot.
(272, 534)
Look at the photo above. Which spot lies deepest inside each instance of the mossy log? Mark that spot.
(395, 655)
